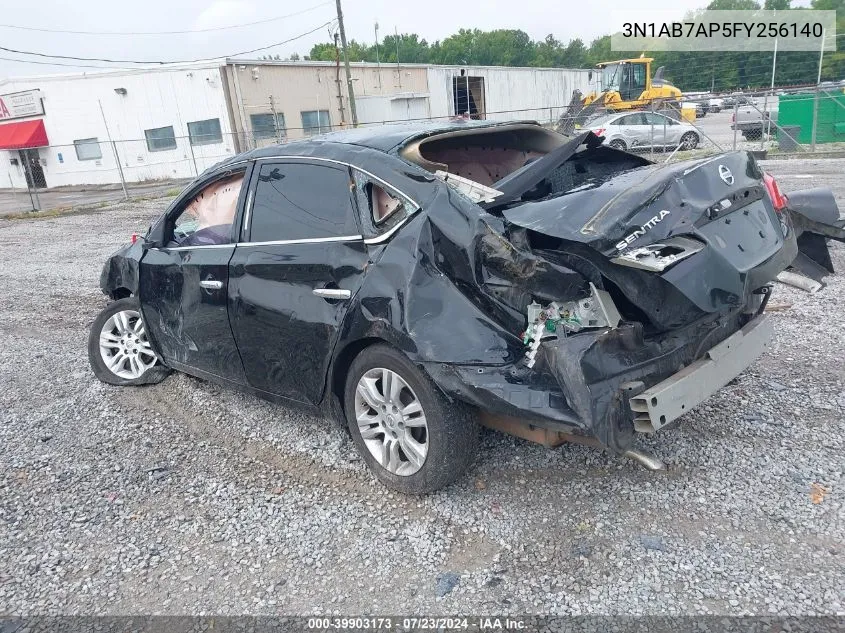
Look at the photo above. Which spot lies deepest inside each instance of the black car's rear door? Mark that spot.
(300, 261)
(183, 281)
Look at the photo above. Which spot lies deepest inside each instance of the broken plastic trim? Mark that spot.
(595, 311)
(659, 257)
(473, 190)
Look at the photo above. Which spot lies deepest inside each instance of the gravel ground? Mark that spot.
(187, 498)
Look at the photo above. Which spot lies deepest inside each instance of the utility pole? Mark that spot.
(275, 121)
(114, 149)
(352, 110)
(398, 70)
(337, 82)
(816, 100)
(378, 62)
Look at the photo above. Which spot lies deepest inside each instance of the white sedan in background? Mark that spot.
(635, 130)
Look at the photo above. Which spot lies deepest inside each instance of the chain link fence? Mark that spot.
(799, 123)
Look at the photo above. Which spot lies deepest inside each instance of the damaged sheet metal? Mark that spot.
(627, 273)
(119, 277)
(817, 219)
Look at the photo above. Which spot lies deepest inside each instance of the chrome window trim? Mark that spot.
(309, 240)
(388, 234)
(190, 248)
(305, 240)
(247, 214)
(415, 207)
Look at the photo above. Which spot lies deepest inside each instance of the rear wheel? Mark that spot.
(618, 144)
(412, 437)
(689, 140)
(118, 349)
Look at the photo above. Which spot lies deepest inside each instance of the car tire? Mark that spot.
(753, 135)
(618, 144)
(689, 140)
(118, 349)
(405, 454)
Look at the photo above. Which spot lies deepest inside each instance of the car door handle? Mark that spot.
(332, 293)
(210, 284)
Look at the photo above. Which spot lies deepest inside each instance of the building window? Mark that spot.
(160, 139)
(263, 127)
(87, 149)
(316, 121)
(205, 132)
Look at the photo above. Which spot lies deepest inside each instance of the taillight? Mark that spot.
(733, 118)
(599, 132)
(134, 237)
(779, 200)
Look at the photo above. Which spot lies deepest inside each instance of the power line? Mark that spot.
(218, 28)
(172, 61)
(32, 61)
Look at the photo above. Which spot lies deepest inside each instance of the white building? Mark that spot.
(174, 121)
(166, 123)
(503, 93)
(306, 97)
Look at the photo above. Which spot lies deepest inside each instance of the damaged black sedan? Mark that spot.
(413, 281)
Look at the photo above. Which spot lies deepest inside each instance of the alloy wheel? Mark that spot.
(124, 347)
(688, 141)
(391, 421)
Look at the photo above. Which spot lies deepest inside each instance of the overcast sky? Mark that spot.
(432, 20)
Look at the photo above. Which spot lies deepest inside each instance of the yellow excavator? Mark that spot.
(627, 84)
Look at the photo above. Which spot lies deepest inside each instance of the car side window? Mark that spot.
(381, 207)
(655, 119)
(295, 201)
(633, 119)
(207, 218)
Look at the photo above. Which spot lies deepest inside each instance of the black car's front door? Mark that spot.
(300, 262)
(183, 282)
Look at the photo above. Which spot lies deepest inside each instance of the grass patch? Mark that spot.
(55, 213)
(93, 207)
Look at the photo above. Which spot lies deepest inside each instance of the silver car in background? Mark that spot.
(646, 130)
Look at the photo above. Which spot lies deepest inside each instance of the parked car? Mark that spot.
(644, 130)
(700, 108)
(715, 104)
(753, 121)
(409, 281)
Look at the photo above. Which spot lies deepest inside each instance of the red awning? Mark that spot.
(22, 135)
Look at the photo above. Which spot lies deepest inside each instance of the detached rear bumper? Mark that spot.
(613, 383)
(668, 400)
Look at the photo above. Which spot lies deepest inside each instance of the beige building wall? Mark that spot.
(293, 88)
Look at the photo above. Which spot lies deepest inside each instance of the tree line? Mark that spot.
(690, 71)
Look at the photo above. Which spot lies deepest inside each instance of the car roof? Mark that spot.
(388, 136)
(383, 138)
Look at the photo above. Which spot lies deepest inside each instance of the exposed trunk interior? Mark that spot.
(484, 155)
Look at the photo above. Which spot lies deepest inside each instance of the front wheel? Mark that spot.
(413, 438)
(689, 140)
(118, 349)
(618, 144)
